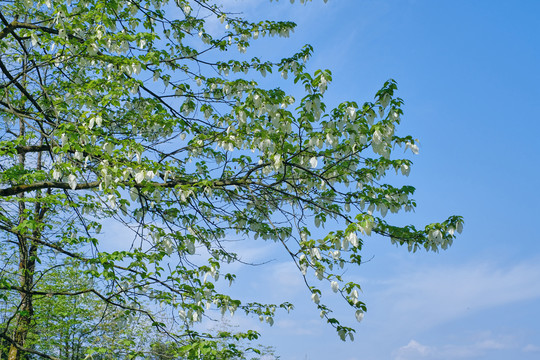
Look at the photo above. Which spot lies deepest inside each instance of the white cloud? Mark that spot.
(416, 350)
(531, 348)
(491, 344)
(412, 350)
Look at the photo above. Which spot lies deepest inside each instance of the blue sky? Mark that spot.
(468, 72)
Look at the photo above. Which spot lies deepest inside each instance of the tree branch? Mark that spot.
(4, 336)
(19, 189)
(27, 149)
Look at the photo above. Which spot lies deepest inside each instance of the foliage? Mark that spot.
(72, 326)
(69, 327)
(135, 114)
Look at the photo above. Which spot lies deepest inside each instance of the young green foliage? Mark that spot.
(135, 112)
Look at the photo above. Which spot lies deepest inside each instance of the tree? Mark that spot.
(70, 327)
(134, 112)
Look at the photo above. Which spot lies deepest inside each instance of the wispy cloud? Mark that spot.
(431, 296)
(310, 328)
(530, 348)
(416, 350)
(280, 282)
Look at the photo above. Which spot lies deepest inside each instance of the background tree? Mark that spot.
(70, 327)
(132, 112)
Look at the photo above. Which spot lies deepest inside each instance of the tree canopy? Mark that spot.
(148, 116)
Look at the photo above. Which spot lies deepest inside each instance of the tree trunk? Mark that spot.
(27, 264)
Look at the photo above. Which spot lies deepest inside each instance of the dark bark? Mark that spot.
(28, 254)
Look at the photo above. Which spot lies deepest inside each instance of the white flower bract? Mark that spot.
(359, 315)
(72, 181)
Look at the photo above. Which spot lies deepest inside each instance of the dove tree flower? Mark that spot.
(133, 113)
